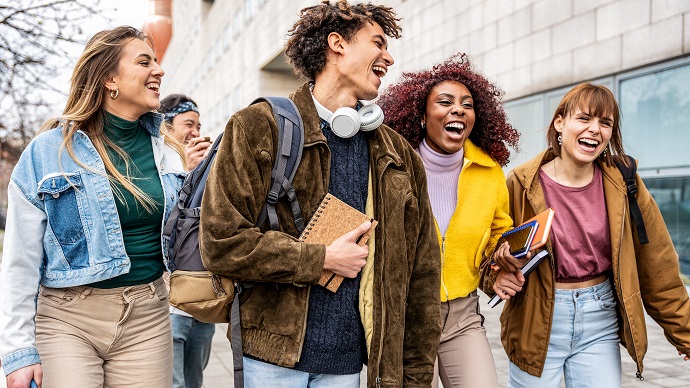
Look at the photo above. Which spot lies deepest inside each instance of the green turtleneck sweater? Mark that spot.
(141, 230)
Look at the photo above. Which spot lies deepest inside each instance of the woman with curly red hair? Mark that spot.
(453, 117)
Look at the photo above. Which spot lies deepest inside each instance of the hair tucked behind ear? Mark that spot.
(84, 109)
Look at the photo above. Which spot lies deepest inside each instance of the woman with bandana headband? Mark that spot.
(182, 117)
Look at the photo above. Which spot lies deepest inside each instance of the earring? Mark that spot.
(604, 153)
(423, 125)
(560, 140)
(114, 93)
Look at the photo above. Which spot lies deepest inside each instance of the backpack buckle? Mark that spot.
(272, 198)
(632, 186)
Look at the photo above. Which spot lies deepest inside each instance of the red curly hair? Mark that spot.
(404, 105)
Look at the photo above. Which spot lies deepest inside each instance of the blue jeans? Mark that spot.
(584, 344)
(259, 374)
(191, 349)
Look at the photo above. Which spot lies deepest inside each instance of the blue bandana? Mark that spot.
(180, 108)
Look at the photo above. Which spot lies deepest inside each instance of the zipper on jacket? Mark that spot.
(443, 261)
(638, 374)
(378, 381)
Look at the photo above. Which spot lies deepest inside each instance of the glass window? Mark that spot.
(673, 197)
(656, 116)
(248, 10)
(237, 23)
(527, 117)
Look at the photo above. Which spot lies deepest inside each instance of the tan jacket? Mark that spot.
(399, 292)
(645, 276)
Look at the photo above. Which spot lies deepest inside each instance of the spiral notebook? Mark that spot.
(332, 219)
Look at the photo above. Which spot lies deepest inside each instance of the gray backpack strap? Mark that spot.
(288, 157)
(236, 340)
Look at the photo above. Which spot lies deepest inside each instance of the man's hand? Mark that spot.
(21, 378)
(344, 257)
(508, 284)
(685, 356)
(196, 150)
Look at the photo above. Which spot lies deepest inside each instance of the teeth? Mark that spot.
(380, 71)
(590, 142)
(456, 125)
(153, 86)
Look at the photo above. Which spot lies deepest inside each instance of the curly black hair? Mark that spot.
(404, 105)
(306, 48)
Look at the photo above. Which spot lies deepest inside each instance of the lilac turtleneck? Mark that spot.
(442, 175)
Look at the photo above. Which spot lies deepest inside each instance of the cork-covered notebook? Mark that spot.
(332, 219)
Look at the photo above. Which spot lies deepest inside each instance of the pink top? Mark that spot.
(580, 234)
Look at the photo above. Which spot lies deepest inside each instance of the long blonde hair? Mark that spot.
(84, 110)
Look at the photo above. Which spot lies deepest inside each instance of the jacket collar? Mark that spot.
(152, 121)
(477, 155)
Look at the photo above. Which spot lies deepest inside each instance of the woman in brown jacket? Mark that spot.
(569, 318)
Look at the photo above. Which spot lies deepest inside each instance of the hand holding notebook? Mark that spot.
(333, 219)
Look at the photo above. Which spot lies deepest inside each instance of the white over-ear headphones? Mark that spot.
(346, 122)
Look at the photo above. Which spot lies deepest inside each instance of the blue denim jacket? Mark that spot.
(63, 229)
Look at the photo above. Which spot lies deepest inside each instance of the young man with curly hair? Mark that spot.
(386, 312)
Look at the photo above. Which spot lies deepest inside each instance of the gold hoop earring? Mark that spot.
(114, 93)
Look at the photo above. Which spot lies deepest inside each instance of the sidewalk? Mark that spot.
(663, 367)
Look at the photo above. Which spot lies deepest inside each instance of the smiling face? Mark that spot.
(186, 126)
(364, 61)
(584, 135)
(449, 117)
(138, 79)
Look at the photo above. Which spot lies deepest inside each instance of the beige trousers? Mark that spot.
(90, 338)
(464, 355)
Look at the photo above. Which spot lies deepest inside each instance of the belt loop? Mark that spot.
(153, 290)
(125, 295)
(85, 293)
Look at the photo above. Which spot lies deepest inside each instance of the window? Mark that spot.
(656, 117)
(262, 3)
(227, 35)
(248, 10)
(237, 98)
(237, 24)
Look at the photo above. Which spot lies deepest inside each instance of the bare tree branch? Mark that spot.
(35, 37)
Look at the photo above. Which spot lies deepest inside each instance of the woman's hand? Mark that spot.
(508, 284)
(506, 261)
(21, 378)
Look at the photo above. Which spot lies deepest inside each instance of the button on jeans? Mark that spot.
(584, 344)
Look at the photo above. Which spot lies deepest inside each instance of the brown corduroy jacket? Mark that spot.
(644, 276)
(401, 307)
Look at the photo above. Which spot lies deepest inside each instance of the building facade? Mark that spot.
(226, 53)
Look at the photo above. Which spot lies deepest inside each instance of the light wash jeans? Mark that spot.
(584, 344)
(259, 374)
(191, 350)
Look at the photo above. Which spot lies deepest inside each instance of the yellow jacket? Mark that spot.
(481, 216)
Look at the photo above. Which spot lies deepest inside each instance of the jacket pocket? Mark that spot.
(65, 206)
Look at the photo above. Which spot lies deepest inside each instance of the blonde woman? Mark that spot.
(82, 299)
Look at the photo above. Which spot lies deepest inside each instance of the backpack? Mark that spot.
(206, 296)
(629, 173)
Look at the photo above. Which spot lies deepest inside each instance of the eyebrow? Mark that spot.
(466, 96)
(146, 56)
